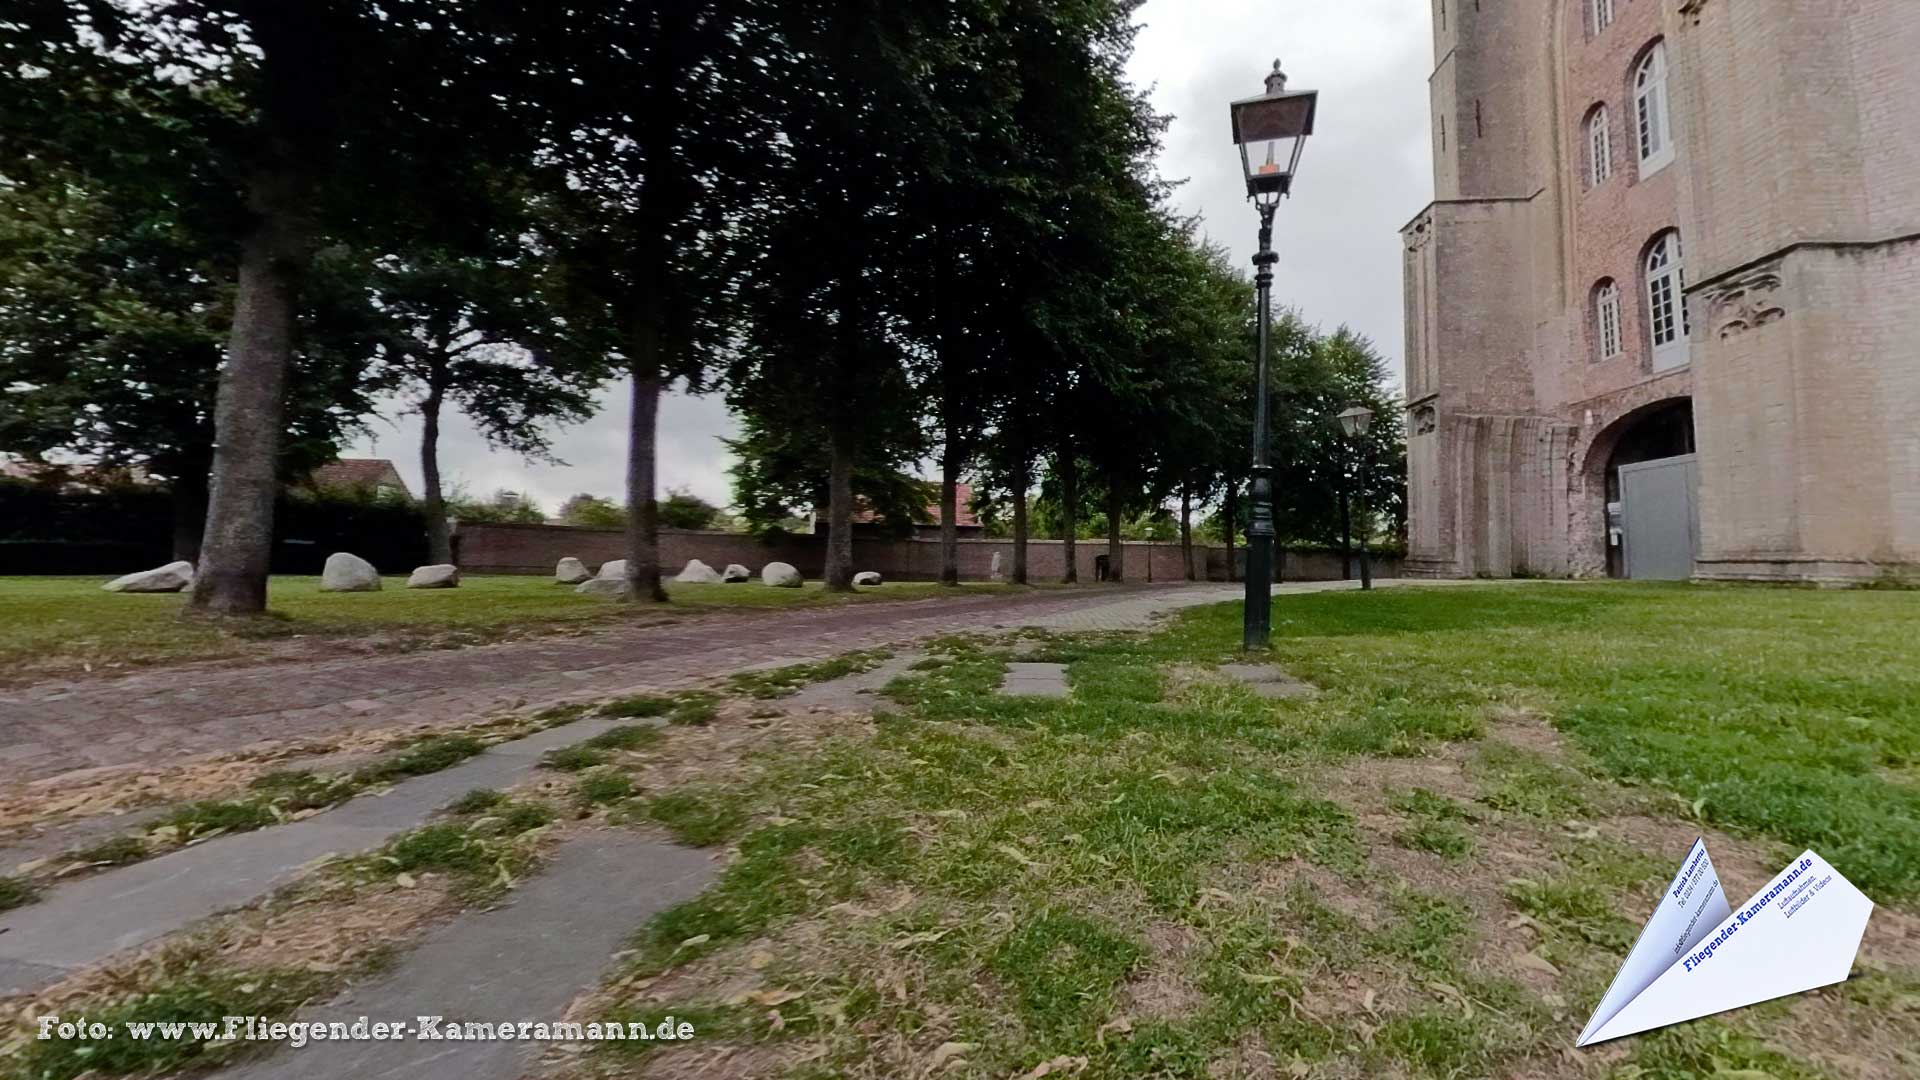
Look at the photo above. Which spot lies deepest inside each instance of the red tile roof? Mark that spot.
(355, 473)
(963, 517)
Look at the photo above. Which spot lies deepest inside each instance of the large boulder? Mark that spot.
(698, 573)
(735, 572)
(616, 569)
(606, 588)
(348, 573)
(571, 571)
(867, 577)
(169, 578)
(780, 575)
(437, 576)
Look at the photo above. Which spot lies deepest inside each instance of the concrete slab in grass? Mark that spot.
(852, 692)
(85, 921)
(1268, 681)
(1035, 680)
(527, 960)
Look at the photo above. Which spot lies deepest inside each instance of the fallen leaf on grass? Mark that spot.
(1017, 855)
(1122, 1026)
(949, 1050)
(760, 958)
(1533, 961)
(1059, 1066)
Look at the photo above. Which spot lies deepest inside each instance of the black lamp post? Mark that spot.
(1354, 424)
(1270, 130)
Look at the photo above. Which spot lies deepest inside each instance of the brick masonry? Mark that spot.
(1796, 191)
(534, 549)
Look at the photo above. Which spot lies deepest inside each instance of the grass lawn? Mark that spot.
(52, 626)
(1430, 868)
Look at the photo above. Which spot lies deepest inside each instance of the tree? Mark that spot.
(457, 327)
(592, 512)
(503, 507)
(639, 200)
(344, 118)
(112, 332)
(682, 509)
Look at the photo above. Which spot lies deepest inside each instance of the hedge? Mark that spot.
(116, 531)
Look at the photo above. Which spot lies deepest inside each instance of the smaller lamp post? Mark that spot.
(1354, 423)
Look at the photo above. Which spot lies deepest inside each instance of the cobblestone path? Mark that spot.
(167, 714)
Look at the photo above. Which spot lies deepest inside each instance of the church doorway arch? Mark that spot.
(1650, 479)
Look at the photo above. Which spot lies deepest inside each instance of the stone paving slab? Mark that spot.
(1268, 681)
(85, 921)
(525, 961)
(1028, 679)
(853, 692)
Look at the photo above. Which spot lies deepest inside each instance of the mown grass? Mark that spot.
(1018, 875)
(52, 626)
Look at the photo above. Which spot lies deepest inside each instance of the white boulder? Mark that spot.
(867, 577)
(169, 578)
(348, 573)
(606, 588)
(437, 576)
(616, 569)
(735, 572)
(571, 571)
(780, 575)
(698, 573)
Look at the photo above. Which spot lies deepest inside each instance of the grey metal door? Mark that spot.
(1661, 531)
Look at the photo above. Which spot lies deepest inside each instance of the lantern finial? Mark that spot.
(1276, 79)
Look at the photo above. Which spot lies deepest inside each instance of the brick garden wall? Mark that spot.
(534, 549)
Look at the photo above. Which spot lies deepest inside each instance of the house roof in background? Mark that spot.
(356, 473)
(963, 518)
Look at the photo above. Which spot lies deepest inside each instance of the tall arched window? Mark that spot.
(1653, 110)
(1606, 318)
(1602, 16)
(1667, 303)
(1599, 148)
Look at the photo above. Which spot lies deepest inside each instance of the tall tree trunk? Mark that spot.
(189, 489)
(1186, 527)
(1021, 482)
(237, 549)
(839, 570)
(1069, 465)
(439, 537)
(1116, 552)
(643, 503)
(1230, 511)
(950, 512)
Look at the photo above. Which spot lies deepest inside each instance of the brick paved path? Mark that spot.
(166, 714)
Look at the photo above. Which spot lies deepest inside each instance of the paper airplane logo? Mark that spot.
(1697, 956)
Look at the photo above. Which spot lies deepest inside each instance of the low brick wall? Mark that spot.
(534, 549)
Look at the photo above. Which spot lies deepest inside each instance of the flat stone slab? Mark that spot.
(85, 921)
(1268, 681)
(525, 961)
(1027, 679)
(853, 692)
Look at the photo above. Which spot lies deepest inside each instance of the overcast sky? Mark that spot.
(1366, 172)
